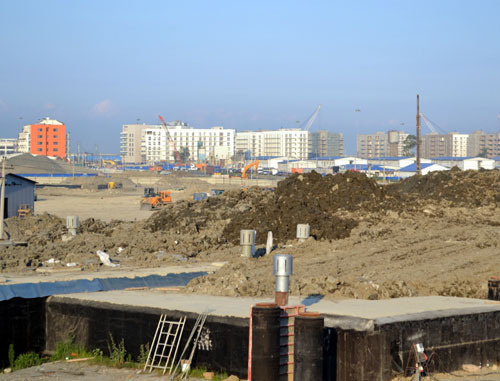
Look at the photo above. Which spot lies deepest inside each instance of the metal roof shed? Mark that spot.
(18, 190)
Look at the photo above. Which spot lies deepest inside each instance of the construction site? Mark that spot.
(386, 273)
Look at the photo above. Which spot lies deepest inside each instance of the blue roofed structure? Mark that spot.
(365, 168)
(411, 169)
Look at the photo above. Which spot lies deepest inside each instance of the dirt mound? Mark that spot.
(461, 188)
(92, 182)
(310, 199)
(28, 164)
(305, 198)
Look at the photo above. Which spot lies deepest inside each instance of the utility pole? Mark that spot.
(2, 199)
(419, 165)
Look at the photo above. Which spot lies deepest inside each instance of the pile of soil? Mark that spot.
(300, 199)
(92, 183)
(29, 164)
(427, 235)
(461, 188)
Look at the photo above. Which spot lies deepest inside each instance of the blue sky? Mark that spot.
(96, 65)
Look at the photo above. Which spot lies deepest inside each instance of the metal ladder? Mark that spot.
(165, 344)
(197, 328)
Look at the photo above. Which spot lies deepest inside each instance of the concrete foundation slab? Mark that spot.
(364, 340)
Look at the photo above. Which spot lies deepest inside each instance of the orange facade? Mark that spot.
(48, 140)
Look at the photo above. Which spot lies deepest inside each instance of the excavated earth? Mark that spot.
(427, 235)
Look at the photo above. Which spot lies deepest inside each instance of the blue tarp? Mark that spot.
(58, 174)
(42, 289)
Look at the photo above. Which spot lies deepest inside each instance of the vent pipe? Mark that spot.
(72, 224)
(282, 269)
(247, 242)
(303, 232)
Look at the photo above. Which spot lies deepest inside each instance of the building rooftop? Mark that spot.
(413, 167)
(365, 167)
(327, 158)
(391, 158)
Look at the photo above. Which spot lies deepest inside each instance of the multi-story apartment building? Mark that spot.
(24, 140)
(46, 137)
(443, 145)
(292, 143)
(251, 143)
(381, 144)
(396, 143)
(8, 146)
(481, 143)
(324, 143)
(371, 145)
(151, 144)
(130, 143)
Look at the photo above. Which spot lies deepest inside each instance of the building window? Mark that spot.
(55, 136)
(55, 150)
(39, 150)
(39, 143)
(56, 143)
(40, 130)
(40, 136)
(55, 130)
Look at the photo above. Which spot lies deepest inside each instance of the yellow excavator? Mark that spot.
(109, 163)
(244, 172)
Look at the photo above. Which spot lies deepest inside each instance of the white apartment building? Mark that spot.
(24, 140)
(459, 145)
(150, 143)
(443, 145)
(8, 146)
(293, 143)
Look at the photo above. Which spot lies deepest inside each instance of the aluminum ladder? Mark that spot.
(165, 344)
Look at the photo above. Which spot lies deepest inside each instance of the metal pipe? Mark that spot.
(247, 242)
(282, 269)
(303, 232)
(72, 224)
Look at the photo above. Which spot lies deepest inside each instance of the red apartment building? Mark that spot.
(48, 138)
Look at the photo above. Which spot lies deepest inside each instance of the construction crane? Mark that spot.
(312, 118)
(430, 124)
(177, 155)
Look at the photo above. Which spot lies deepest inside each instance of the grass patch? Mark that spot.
(198, 373)
(69, 349)
(27, 360)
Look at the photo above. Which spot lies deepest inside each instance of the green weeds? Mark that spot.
(27, 360)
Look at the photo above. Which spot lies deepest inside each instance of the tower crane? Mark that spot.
(169, 137)
(311, 119)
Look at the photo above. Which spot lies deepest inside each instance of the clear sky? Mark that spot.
(248, 65)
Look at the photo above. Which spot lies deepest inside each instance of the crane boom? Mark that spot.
(169, 137)
(312, 118)
(430, 124)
